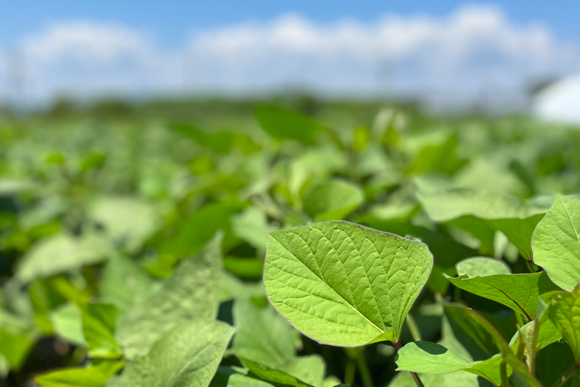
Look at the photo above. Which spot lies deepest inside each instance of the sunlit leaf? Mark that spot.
(188, 355)
(556, 243)
(332, 200)
(191, 293)
(343, 284)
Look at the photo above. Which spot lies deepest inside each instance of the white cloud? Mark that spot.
(472, 51)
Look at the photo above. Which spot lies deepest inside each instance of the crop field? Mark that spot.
(293, 243)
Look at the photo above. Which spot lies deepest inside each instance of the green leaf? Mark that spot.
(332, 200)
(309, 369)
(519, 292)
(15, 347)
(61, 253)
(552, 362)
(251, 225)
(262, 335)
(344, 284)
(67, 323)
(268, 374)
(124, 283)
(188, 355)
(192, 292)
(439, 158)
(98, 329)
(198, 229)
(127, 221)
(436, 359)
(556, 243)
(247, 268)
(481, 267)
(564, 314)
(429, 358)
(482, 213)
(235, 377)
(284, 124)
(232, 288)
(92, 376)
(521, 374)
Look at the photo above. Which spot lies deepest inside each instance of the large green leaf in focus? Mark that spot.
(92, 376)
(564, 313)
(284, 124)
(262, 335)
(191, 293)
(332, 200)
(187, 356)
(344, 284)
(482, 213)
(556, 243)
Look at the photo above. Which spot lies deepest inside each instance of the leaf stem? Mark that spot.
(503, 372)
(413, 328)
(415, 376)
(349, 372)
(530, 266)
(566, 375)
(363, 369)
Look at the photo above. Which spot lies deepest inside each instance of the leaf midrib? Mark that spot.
(330, 287)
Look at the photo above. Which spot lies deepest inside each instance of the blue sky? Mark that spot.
(436, 49)
(170, 20)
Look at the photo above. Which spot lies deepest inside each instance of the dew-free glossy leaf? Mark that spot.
(556, 243)
(92, 376)
(344, 284)
(187, 356)
(191, 293)
(262, 336)
(332, 200)
(565, 314)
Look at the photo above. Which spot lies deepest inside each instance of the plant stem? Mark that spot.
(415, 376)
(349, 372)
(413, 328)
(530, 266)
(569, 372)
(363, 369)
(503, 372)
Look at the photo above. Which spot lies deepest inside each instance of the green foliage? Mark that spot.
(556, 243)
(343, 284)
(222, 251)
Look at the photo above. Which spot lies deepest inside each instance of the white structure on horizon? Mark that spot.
(560, 102)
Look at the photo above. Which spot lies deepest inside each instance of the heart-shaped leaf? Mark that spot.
(556, 243)
(564, 314)
(188, 355)
(344, 284)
